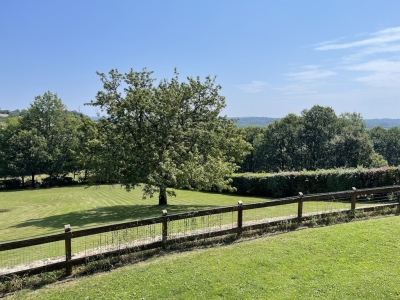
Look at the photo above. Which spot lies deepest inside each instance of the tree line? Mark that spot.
(319, 139)
(159, 136)
(171, 134)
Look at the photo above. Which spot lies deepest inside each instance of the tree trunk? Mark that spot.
(33, 179)
(23, 181)
(162, 198)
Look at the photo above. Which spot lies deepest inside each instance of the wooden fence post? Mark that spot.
(164, 228)
(353, 200)
(300, 208)
(240, 217)
(68, 250)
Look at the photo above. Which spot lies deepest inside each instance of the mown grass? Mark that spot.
(356, 260)
(30, 213)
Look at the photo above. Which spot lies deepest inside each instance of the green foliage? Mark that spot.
(45, 139)
(317, 139)
(387, 143)
(166, 135)
(251, 135)
(309, 182)
(377, 160)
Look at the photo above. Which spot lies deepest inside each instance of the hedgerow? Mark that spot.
(287, 184)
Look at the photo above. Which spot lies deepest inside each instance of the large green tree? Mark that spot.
(320, 127)
(351, 146)
(48, 117)
(166, 135)
(22, 152)
(318, 139)
(280, 146)
(387, 143)
(252, 135)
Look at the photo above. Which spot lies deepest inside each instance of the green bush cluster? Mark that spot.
(287, 184)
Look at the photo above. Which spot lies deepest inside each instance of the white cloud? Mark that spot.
(253, 87)
(378, 38)
(373, 50)
(383, 73)
(311, 75)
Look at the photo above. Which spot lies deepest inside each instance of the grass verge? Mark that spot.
(356, 260)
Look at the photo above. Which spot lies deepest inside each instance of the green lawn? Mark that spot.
(357, 260)
(31, 213)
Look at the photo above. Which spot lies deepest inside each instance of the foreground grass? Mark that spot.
(357, 260)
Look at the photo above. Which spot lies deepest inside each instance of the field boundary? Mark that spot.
(168, 235)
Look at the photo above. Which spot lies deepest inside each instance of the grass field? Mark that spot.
(30, 213)
(356, 260)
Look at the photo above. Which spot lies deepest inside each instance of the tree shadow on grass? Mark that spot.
(106, 215)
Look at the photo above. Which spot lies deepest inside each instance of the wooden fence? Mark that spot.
(169, 234)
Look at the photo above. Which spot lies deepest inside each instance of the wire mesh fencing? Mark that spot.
(335, 204)
(269, 214)
(116, 241)
(193, 224)
(377, 198)
(15, 260)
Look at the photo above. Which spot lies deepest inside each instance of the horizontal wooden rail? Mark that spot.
(32, 242)
(271, 203)
(201, 213)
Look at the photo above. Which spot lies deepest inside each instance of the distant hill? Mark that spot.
(241, 121)
(254, 121)
(264, 121)
(385, 123)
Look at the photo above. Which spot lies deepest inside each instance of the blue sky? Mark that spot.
(271, 57)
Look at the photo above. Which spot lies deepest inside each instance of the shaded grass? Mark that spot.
(357, 260)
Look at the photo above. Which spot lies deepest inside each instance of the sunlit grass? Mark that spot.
(356, 260)
(30, 213)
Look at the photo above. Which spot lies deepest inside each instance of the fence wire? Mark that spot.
(201, 225)
(377, 199)
(327, 206)
(31, 257)
(124, 240)
(268, 214)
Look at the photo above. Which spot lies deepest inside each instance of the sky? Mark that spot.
(270, 57)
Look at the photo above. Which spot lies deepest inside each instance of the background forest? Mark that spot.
(48, 139)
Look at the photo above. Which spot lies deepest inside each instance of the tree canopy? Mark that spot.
(166, 135)
(318, 139)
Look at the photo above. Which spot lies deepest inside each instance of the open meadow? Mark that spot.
(30, 213)
(356, 260)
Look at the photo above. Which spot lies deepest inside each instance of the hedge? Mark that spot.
(287, 184)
